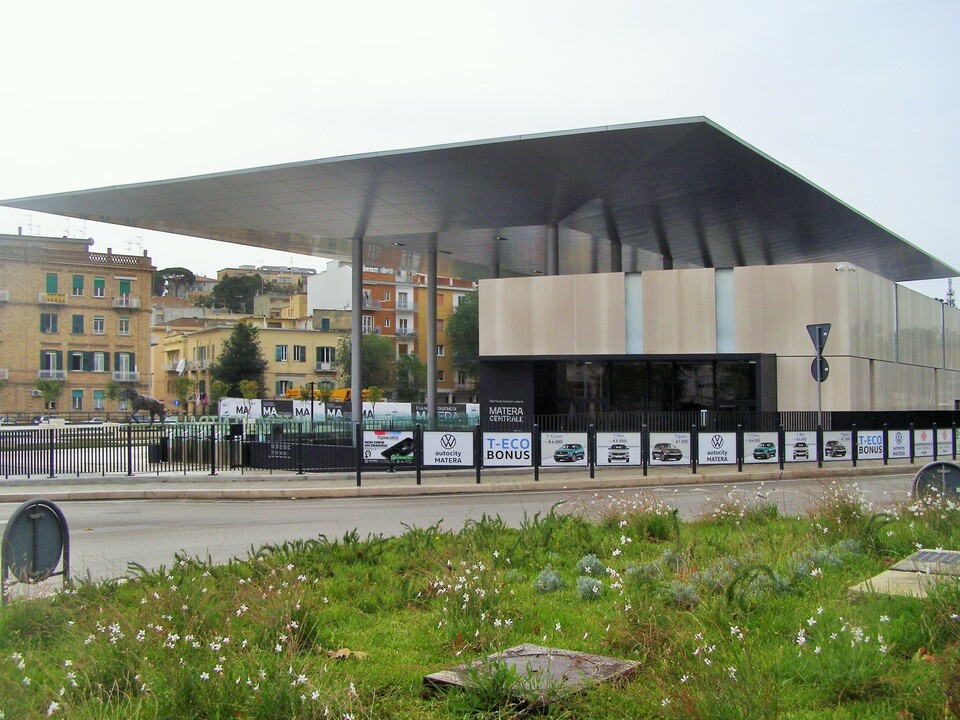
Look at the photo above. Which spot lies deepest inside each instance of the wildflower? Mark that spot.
(884, 618)
(53, 707)
(352, 691)
(204, 676)
(684, 678)
(811, 621)
(732, 672)
(665, 702)
(817, 650)
(816, 572)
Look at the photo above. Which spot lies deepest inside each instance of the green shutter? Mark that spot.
(77, 325)
(278, 355)
(51, 282)
(78, 284)
(87, 361)
(116, 359)
(98, 286)
(59, 360)
(124, 287)
(106, 362)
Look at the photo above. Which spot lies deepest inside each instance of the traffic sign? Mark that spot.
(819, 368)
(818, 334)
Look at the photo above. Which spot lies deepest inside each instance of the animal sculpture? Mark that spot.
(142, 402)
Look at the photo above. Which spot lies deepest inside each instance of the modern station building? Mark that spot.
(657, 266)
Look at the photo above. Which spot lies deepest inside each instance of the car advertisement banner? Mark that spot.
(669, 448)
(388, 446)
(717, 448)
(618, 448)
(800, 445)
(563, 449)
(899, 444)
(502, 449)
(923, 443)
(870, 445)
(836, 445)
(944, 442)
(760, 447)
(448, 448)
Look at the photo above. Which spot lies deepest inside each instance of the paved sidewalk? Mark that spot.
(261, 485)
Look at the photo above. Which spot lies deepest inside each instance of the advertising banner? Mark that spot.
(463, 414)
(618, 448)
(944, 442)
(717, 448)
(899, 444)
(452, 449)
(238, 407)
(923, 443)
(393, 447)
(563, 449)
(669, 448)
(507, 449)
(870, 445)
(761, 447)
(800, 445)
(837, 445)
(505, 414)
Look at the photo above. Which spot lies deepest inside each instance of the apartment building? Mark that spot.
(73, 316)
(395, 306)
(295, 357)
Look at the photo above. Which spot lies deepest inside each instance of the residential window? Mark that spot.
(124, 288)
(99, 287)
(99, 325)
(299, 353)
(462, 377)
(281, 353)
(386, 322)
(77, 325)
(76, 361)
(78, 285)
(439, 326)
(326, 354)
(99, 362)
(282, 386)
(48, 322)
(98, 399)
(386, 294)
(440, 352)
(439, 299)
(76, 399)
(51, 283)
(325, 324)
(366, 323)
(123, 326)
(440, 375)
(402, 350)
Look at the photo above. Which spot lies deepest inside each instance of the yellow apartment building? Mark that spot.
(73, 316)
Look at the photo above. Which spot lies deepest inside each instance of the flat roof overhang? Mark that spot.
(683, 190)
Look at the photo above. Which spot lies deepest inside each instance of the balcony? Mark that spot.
(406, 306)
(126, 376)
(369, 304)
(323, 367)
(406, 332)
(126, 301)
(51, 374)
(45, 298)
(4, 374)
(368, 330)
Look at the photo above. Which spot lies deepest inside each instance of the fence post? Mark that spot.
(935, 443)
(739, 447)
(536, 452)
(644, 446)
(129, 449)
(299, 448)
(781, 444)
(886, 444)
(358, 443)
(591, 448)
(912, 448)
(819, 446)
(953, 439)
(478, 449)
(213, 448)
(855, 450)
(51, 444)
(694, 447)
(418, 449)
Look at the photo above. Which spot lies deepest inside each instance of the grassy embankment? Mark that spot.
(743, 614)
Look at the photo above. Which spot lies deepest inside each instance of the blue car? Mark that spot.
(571, 452)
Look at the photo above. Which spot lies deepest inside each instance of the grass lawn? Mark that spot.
(741, 614)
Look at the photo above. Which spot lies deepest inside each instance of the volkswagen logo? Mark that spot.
(717, 442)
(899, 438)
(448, 441)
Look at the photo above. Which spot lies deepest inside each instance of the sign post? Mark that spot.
(820, 369)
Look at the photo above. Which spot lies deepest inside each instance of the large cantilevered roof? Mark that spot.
(676, 193)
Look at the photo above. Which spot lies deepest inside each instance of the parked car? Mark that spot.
(7, 421)
(571, 452)
(800, 450)
(618, 452)
(834, 448)
(765, 451)
(665, 452)
(95, 421)
(47, 419)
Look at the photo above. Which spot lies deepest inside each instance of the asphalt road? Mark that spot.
(105, 536)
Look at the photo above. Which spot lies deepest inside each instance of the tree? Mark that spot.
(377, 363)
(50, 390)
(183, 387)
(241, 358)
(175, 277)
(218, 391)
(236, 292)
(463, 334)
(411, 379)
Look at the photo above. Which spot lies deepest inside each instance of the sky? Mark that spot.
(860, 97)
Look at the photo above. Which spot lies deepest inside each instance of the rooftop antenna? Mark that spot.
(951, 298)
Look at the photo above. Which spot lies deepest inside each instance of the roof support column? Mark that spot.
(553, 250)
(432, 334)
(356, 332)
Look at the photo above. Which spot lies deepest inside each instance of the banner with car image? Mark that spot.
(836, 445)
(800, 446)
(618, 448)
(760, 447)
(563, 448)
(669, 448)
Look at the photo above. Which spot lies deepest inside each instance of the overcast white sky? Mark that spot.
(862, 98)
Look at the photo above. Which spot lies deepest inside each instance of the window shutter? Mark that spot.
(88, 361)
(59, 360)
(51, 282)
(78, 283)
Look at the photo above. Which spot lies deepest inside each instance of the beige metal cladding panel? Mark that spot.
(948, 389)
(873, 333)
(920, 328)
(748, 289)
(506, 313)
(797, 390)
(679, 311)
(553, 324)
(834, 295)
(600, 314)
(788, 307)
(951, 323)
(903, 387)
